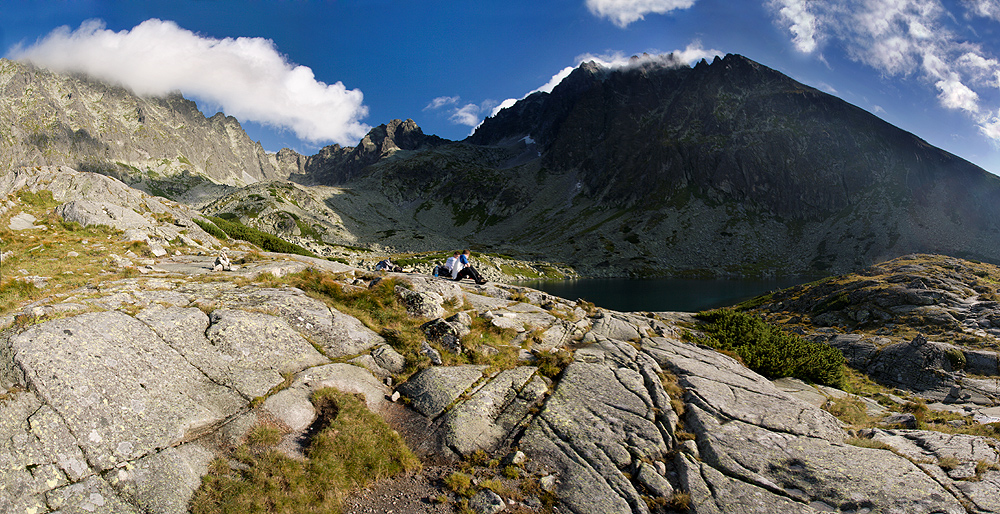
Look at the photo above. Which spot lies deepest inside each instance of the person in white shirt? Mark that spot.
(463, 269)
(451, 264)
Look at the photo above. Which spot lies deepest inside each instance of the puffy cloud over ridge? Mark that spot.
(247, 77)
(618, 60)
(625, 12)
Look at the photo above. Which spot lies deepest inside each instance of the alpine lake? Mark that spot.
(666, 294)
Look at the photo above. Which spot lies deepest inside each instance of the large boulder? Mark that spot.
(118, 386)
(421, 304)
(606, 414)
(433, 389)
(335, 332)
(490, 415)
(261, 341)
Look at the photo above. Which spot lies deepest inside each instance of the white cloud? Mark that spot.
(990, 127)
(503, 105)
(689, 55)
(555, 80)
(624, 12)
(468, 114)
(247, 77)
(442, 101)
(801, 23)
(983, 8)
(956, 95)
(906, 39)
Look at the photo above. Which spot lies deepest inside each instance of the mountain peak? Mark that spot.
(335, 164)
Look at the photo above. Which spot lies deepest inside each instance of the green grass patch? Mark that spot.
(40, 199)
(850, 410)
(770, 351)
(352, 448)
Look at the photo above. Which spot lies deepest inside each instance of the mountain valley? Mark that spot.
(657, 169)
(190, 324)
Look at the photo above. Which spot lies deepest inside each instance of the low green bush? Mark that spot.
(263, 240)
(770, 351)
(213, 230)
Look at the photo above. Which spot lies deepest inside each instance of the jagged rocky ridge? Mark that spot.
(85, 124)
(658, 168)
(119, 395)
(662, 168)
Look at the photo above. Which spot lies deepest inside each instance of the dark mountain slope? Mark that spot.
(734, 127)
(729, 167)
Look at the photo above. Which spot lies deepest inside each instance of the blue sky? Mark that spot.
(306, 74)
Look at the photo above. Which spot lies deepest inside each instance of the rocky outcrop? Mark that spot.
(70, 120)
(122, 408)
(921, 323)
(337, 165)
(93, 199)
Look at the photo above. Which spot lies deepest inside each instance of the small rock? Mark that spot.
(222, 262)
(901, 419)
(487, 502)
(548, 483)
(421, 304)
(157, 250)
(444, 333)
(395, 397)
(429, 351)
(389, 358)
(653, 481)
(518, 458)
(72, 254)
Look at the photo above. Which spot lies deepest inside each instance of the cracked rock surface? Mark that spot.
(122, 400)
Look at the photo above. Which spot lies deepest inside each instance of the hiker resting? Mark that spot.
(463, 269)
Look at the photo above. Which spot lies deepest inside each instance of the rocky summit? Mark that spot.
(133, 382)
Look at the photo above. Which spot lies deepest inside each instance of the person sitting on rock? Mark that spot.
(463, 269)
(387, 265)
(449, 265)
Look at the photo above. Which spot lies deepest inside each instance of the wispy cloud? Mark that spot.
(247, 77)
(469, 114)
(441, 101)
(801, 23)
(915, 39)
(625, 12)
(983, 8)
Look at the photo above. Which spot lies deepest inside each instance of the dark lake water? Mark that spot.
(668, 294)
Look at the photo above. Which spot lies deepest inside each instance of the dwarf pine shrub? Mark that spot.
(770, 351)
(263, 240)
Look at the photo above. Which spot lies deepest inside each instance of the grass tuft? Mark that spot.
(354, 448)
